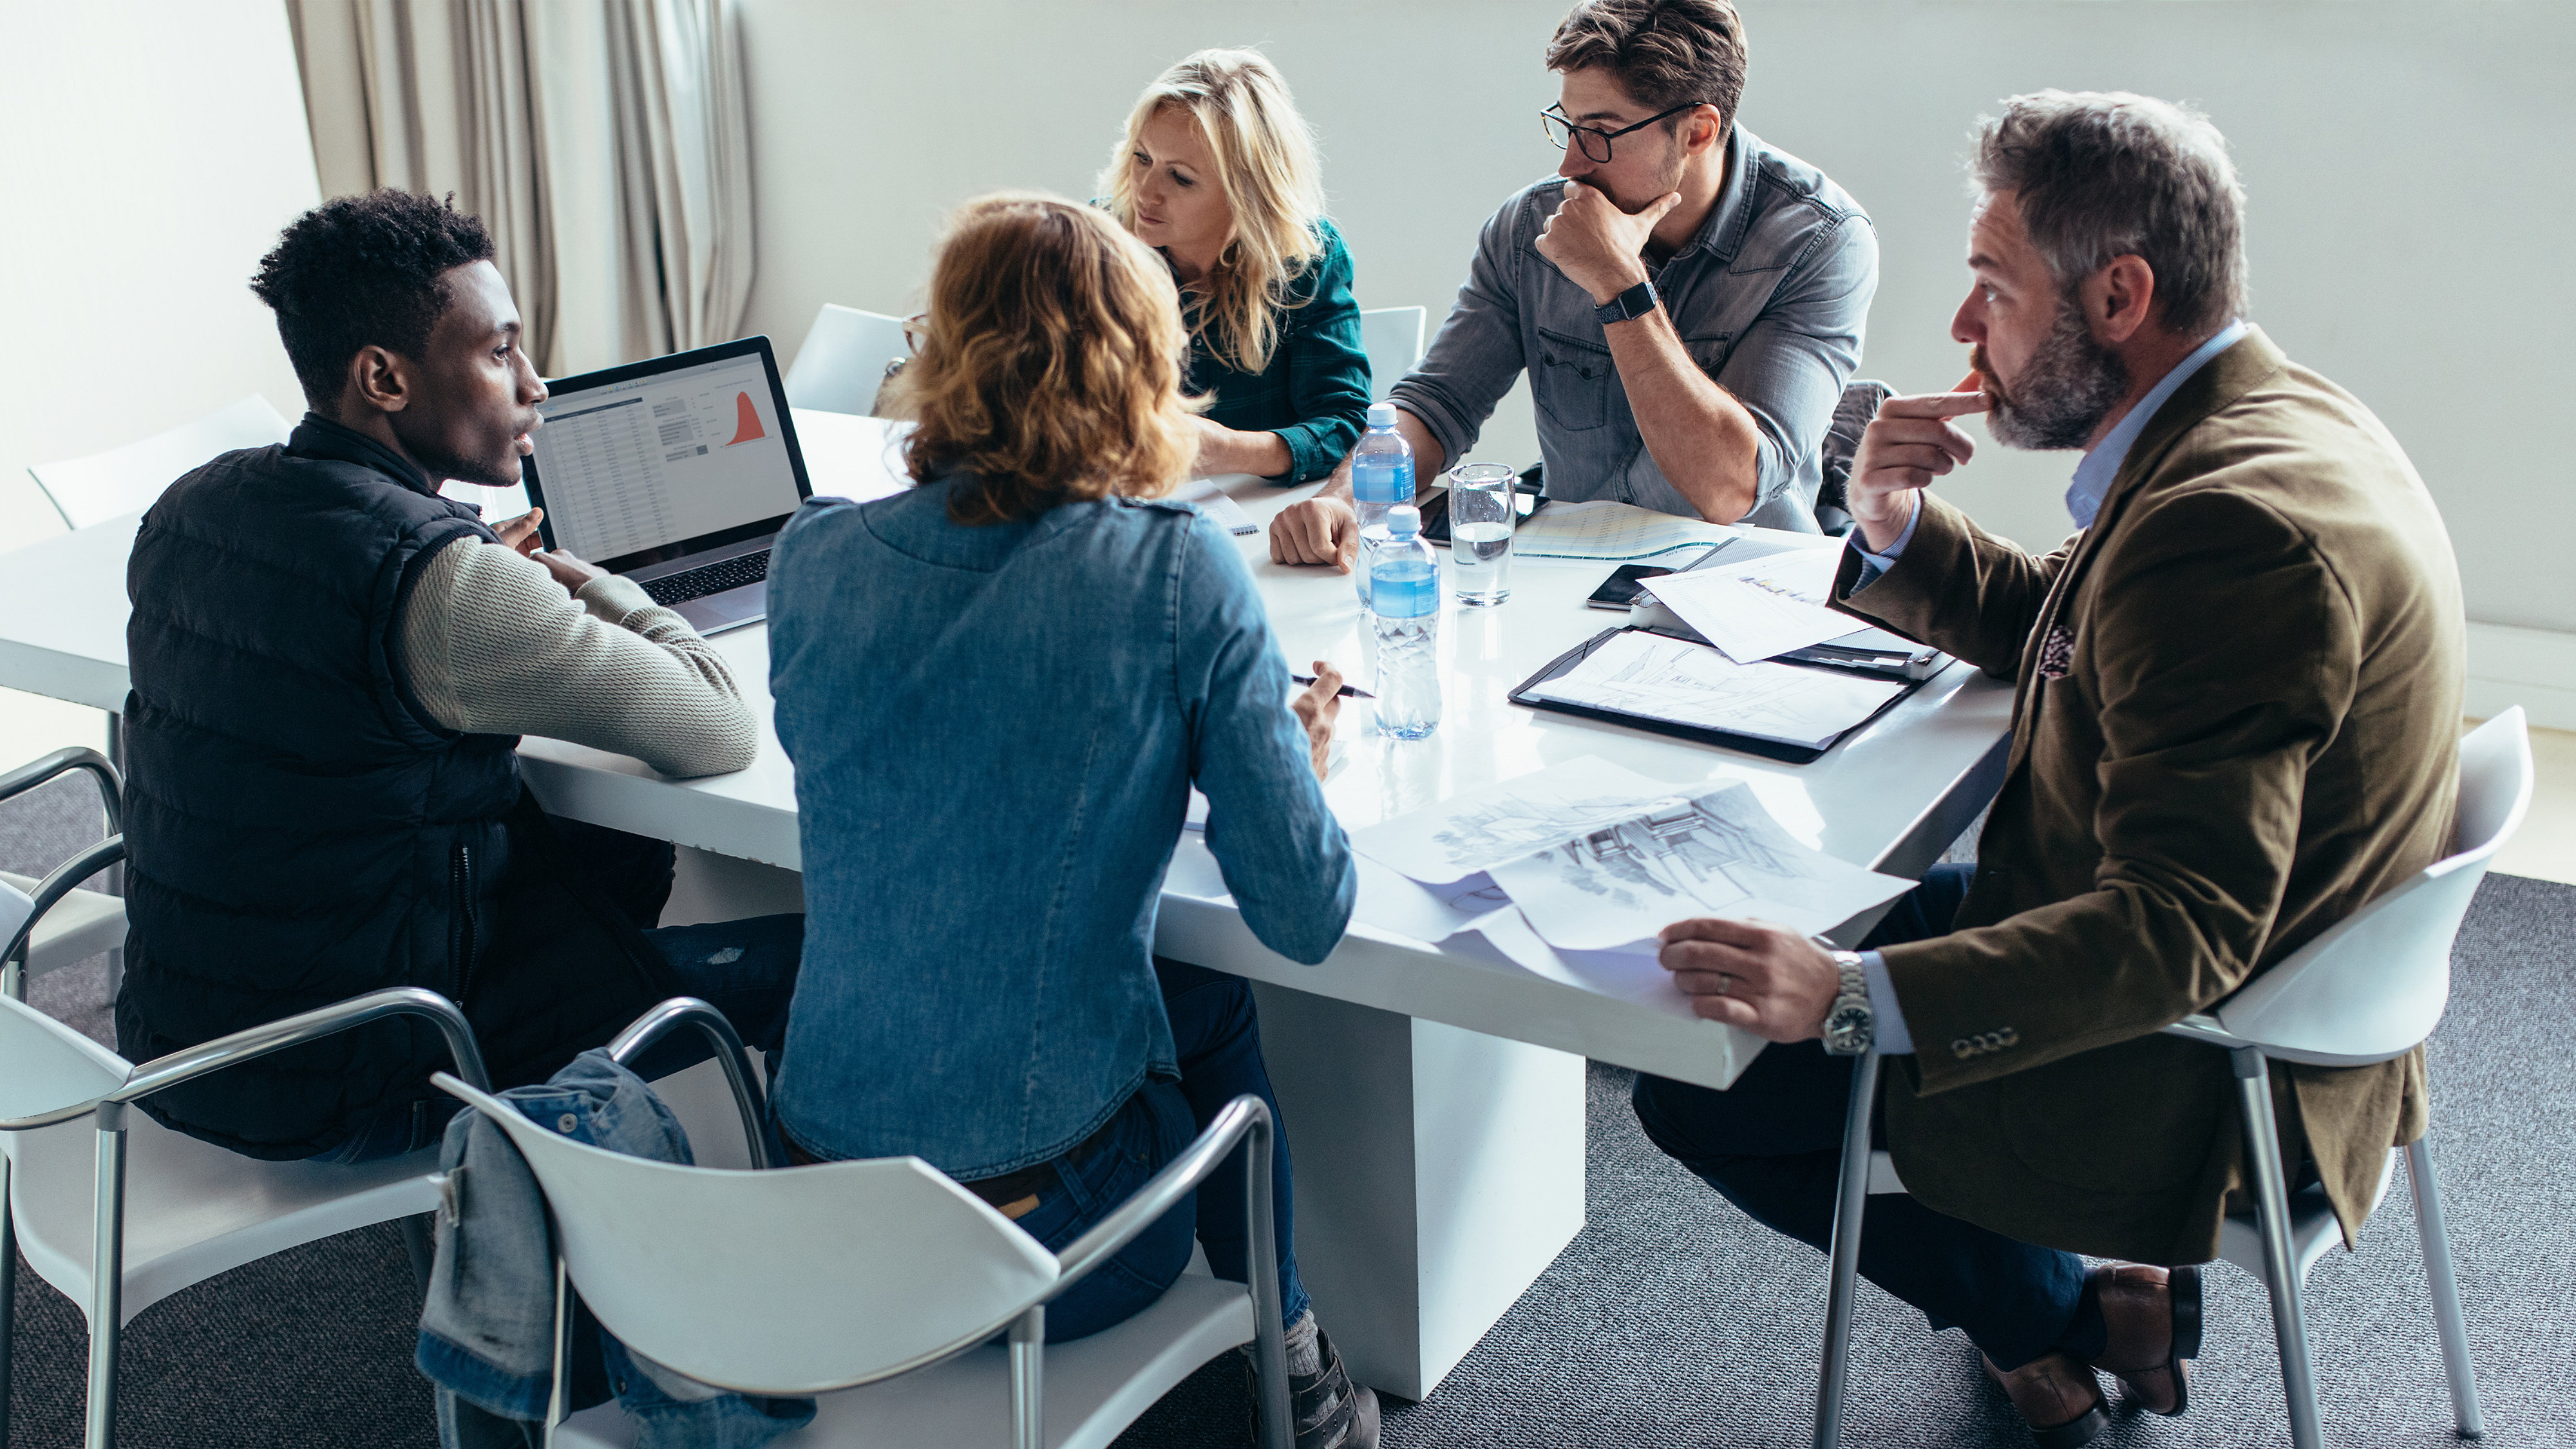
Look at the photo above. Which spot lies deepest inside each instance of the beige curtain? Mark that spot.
(604, 142)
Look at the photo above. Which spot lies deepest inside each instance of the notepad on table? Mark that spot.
(1655, 678)
(1611, 532)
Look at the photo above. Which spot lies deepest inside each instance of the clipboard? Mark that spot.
(1724, 739)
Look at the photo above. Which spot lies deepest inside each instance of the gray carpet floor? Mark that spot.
(1671, 1320)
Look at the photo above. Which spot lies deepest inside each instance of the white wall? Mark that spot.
(2407, 164)
(149, 152)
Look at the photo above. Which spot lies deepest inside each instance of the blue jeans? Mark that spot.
(1218, 1038)
(1772, 1145)
(745, 969)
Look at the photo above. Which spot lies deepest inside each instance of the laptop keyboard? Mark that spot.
(713, 578)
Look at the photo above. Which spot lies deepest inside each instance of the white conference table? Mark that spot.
(1435, 1092)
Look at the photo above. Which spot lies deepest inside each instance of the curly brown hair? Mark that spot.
(1052, 369)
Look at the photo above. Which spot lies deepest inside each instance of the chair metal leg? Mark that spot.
(107, 1276)
(1277, 1429)
(8, 1295)
(115, 881)
(1851, 1198)
(559, 1393)
(2280, 1266)
(1028, 1378)
(2436, 1237)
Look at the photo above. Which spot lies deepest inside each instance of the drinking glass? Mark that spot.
(1481, 513)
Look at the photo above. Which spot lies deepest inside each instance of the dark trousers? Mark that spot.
(1772, 1145)
(1217, 1038)
(745, 969)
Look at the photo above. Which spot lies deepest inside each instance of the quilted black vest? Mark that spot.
(300, 830)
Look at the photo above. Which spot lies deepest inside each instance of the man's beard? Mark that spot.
(2069, 385)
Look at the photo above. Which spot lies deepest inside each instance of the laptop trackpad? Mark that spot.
(729, 610)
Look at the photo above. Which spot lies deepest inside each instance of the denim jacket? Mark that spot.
(995, 730)
(487, 1328)
(1770, 299)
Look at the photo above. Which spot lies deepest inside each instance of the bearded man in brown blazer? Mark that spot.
(2238, 694)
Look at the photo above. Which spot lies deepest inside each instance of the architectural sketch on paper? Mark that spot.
(1686, 857)
(1516, 824)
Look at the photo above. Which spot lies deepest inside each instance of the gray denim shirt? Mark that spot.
(1770, 299)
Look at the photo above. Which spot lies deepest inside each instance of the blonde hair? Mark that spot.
(1052, 369)
(1265, 164)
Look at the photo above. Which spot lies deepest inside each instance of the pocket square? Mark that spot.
(2056, 651)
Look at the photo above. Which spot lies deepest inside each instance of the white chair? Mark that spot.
(74, 924)
(193, 1210)
(1392, 338)
(126, 480)
(845, 359)
(879, 1286)
(2370, 989)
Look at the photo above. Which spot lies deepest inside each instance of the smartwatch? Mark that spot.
(1850, 1025)
(1629, 305)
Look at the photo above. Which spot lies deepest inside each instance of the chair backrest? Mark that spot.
(844, 360)
(46, 1066)
(123, 480)
(1392, 338)
(2374, 985)
(795, 1281)
(1852, 414)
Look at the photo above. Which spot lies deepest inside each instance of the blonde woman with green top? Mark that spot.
(1217, 173)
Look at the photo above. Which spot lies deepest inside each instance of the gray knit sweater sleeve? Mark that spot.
(490, 644)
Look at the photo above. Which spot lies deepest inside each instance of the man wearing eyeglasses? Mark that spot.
(1687, 300)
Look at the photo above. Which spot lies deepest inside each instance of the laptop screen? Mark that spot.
(661, 459)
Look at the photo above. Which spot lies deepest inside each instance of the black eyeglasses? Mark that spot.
(1561, 130)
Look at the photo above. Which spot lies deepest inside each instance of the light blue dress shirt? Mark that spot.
(2093, 475)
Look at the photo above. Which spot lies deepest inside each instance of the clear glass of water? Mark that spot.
(1481, 513)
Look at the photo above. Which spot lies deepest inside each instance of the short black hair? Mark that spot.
(359, 271)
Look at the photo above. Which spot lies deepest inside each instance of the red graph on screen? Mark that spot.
(746, 420)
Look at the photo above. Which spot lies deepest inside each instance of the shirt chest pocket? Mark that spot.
(1572, 381)
(1710, 352)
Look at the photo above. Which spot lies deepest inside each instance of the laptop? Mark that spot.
(678, 473)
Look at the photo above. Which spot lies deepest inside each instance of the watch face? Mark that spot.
(1848, 1027)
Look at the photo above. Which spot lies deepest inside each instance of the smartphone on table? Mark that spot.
(1621, 589)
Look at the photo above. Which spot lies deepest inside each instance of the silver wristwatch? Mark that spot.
(1850, 1026)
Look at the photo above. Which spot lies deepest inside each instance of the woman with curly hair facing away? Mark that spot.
(997, 689)
(1217, 172)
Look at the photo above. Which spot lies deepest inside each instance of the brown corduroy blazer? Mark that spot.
(2236, 721)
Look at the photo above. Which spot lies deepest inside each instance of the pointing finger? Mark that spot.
(1933, 405)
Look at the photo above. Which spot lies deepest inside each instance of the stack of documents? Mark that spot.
(1759, 608)
(1595, 857)
(1635, 672)
(1611, 532)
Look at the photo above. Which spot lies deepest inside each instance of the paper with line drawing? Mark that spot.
(1716, 854)
(1468, 832)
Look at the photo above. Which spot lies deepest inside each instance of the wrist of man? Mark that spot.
(1608, 288)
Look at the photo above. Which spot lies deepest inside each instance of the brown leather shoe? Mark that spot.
(2058, 1397)
(2154, 1321)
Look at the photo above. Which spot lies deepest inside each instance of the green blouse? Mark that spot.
(1315, 392)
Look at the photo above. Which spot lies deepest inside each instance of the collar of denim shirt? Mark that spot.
(2094, 473)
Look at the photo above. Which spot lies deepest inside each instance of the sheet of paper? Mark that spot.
(1761, 607)
(1469, 832)
(1209, 495)
(1390, 902)
(1718, 854)
(1601, 529)
(1679, 682)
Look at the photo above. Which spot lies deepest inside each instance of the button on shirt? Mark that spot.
(2093, 475)
(1769, 299)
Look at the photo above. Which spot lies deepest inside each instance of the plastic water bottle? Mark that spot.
(1381, 478)
(1404, 601)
